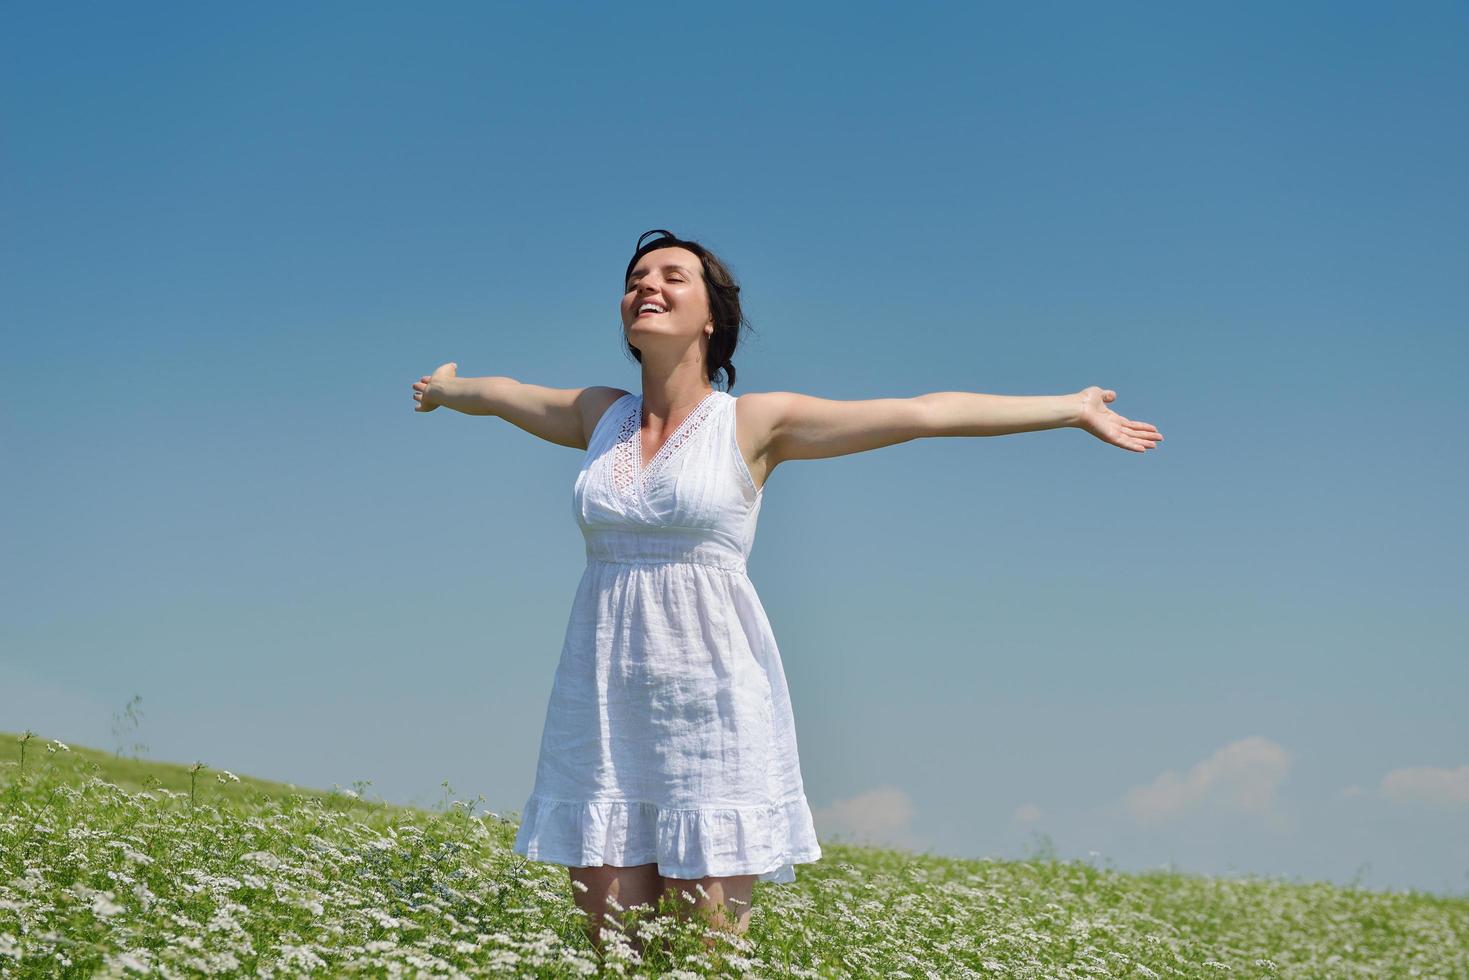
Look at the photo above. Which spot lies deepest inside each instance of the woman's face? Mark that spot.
(673, 279)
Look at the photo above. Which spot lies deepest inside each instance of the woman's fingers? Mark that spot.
(1138, 428)
(1129, 435)
(1115, 428)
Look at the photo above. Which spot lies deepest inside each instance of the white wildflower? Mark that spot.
(223, 962)
(300, 956)
(103, 905)
(131, 960)
(265, 858)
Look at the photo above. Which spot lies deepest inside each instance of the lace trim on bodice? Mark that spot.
(628, 473)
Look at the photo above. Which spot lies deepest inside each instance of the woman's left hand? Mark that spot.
(1095, 417)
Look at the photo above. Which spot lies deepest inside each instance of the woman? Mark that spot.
(668, 762)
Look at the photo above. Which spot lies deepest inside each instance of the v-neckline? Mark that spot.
(671, 445)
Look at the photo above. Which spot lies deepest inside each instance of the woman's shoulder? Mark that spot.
(597, 401)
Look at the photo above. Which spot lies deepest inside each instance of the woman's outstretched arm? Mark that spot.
(973, 413)
(564, 416)
(806, 427)
(964, 413)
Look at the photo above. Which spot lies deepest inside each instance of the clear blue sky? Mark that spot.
(234, 236)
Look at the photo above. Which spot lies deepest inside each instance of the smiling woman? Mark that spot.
(668, 761)
(683, 278)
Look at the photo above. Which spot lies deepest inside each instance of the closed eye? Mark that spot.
(632, 285)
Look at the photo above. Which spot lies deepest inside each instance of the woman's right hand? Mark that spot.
(428, 389)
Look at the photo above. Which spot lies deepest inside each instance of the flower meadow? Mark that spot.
(121, 867)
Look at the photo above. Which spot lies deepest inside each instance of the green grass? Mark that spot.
(108, 867)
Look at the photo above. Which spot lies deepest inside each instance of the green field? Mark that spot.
(118, 866)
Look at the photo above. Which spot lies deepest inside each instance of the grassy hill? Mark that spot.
(118, 866)
(76, 763)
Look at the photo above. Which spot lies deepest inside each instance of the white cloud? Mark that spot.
(1241, 777)
(881, 816)
(1427, 784)
(1028, 813)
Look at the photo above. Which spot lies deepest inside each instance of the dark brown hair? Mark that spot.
(724, 302)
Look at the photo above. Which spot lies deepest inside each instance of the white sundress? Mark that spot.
(669, 735)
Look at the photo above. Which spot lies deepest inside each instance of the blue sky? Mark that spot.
(235, 236)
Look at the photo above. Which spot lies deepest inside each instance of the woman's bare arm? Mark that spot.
(806, 427)
(974, 413)
(472, 396)
(565, 416)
